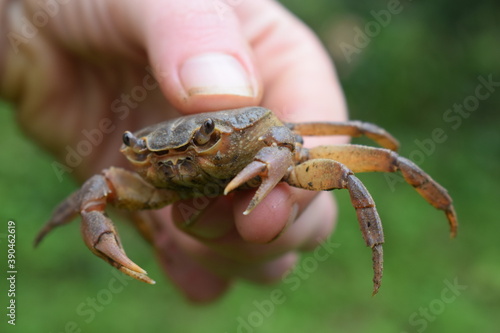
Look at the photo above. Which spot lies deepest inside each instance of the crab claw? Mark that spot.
(101, 238)
(270, 164)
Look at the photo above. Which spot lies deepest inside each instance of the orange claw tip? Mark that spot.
(138, 276)
(233, 184)
(230, 187)
(250, 207)
(110, 250)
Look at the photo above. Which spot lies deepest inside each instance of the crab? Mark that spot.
(238, 149)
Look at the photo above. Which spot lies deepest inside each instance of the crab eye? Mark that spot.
(205, 132)
(208, 126)
(126, 138)
(131, 141)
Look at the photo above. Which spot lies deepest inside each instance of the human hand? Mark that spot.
(92, 61)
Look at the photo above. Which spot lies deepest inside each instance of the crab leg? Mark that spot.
(352, 128)
(63, 214)
(122, 189)
(365, 159)
(326, 174)
(271, 164)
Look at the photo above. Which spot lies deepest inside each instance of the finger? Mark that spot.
(199, 55)
(201, 58)
(196, 282)
(215, 219)
(314, 223)
(300, 80)
(205, 218)
(262, 270)
(270, 271)
(305, 224)
(270, 218)
(232, 256)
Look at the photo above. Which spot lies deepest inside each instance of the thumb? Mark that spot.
(200, 56)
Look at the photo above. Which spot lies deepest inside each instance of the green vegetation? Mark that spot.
(429, 57)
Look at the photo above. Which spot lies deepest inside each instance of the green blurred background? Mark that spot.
(426, 59)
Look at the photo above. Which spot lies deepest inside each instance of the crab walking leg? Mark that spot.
(365, 159)
(122, 189)
(63, 214)
(352, 128)
(325, 174)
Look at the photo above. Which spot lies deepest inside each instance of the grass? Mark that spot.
(404, 88)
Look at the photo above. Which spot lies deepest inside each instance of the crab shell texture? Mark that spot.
(172, 156)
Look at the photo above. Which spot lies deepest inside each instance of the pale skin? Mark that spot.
(68, 75)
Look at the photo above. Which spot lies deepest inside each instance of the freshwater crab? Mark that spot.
(242, 148)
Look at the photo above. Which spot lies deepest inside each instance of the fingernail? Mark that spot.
(215, 74)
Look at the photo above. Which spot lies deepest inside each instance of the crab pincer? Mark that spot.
(98, 232)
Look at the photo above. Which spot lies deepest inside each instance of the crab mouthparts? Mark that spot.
(176, 160)
(178, 168)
